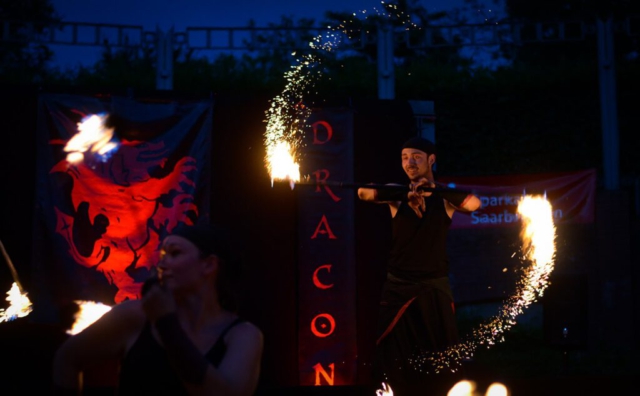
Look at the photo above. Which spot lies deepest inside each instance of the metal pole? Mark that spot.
(608, 103)
(164, 60)
(386, 72)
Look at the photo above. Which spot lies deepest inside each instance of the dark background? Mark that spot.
(592, 291)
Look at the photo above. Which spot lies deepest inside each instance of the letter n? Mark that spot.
(321, 371)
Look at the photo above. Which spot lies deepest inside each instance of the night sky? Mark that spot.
(182, 14)
(187, 13)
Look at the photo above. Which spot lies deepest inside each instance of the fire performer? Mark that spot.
(417, 308)
(183, 337)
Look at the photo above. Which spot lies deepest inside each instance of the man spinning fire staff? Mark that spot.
(417, 308)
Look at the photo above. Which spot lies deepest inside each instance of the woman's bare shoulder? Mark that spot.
(127, 313)
(246, 330)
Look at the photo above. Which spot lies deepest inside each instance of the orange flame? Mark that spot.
(385, 391)
(92, 136)
(468, 388)
(281, 163)
(89, 312)
(497, 389)
(463, 388)
(19, 304)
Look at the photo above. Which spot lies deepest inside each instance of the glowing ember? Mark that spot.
(89, 312)
(19, 305)
(538, 236)
(385, 391)
(92, 136)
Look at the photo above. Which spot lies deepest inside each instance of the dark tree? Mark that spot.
(22, 57)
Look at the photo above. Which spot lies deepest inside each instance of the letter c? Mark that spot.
(316, 280)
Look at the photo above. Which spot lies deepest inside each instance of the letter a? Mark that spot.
(326, 230)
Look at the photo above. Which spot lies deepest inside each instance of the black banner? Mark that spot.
(99, 221)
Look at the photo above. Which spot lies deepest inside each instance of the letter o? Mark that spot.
(318, 333)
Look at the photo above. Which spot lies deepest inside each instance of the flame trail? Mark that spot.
(19, 303)
(287, 115)
(538, 235)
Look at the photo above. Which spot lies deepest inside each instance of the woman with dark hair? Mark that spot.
(182, 337)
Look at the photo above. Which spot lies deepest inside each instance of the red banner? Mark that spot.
(327, 329)
(571, 194)
(100, 221)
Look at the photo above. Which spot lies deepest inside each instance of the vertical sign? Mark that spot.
(327, 317)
